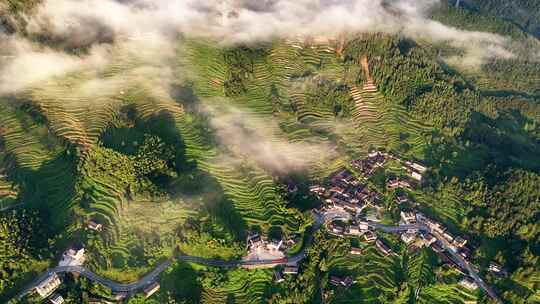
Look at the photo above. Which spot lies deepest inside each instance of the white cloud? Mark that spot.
(147, 30)
(26, 64)
(81, 22)
(245, 135)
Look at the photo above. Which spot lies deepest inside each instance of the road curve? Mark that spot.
(152, 275)
(318, 221)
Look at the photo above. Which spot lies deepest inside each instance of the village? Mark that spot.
(351, 209)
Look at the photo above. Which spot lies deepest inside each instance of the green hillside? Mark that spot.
(192, 167)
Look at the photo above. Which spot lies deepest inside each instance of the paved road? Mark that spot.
(447, 246)
(152, 275)
(319, 219)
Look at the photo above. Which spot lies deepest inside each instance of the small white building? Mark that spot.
(56, 299)
(120, 296)
(496, 268)
(428, 239)
(373, 153)
(435, 226)
(448, 236)
(355, 230)
(94, 226)
(151, 289)
(418, 167)
(363, 226)
(290, 270)
(48, 285)
(408, 237)
(468, 283)
(355, 251)
(73, 257)
(408, 217)
(417, 176)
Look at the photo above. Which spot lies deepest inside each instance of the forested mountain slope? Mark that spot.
(525, 13)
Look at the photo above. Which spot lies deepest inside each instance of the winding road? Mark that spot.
(319, 219)
(152, 276)
(473, 273)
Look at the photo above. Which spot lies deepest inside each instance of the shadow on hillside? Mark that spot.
(193, 182)
(49, 191)
(182, 283)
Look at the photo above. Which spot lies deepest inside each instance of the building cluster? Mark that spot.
(369, 165)
(355, 229)
(360, 229)
(441, 241)
(260, 248)
(376, 159)
(347, 193)
(415, 170)
(434, 239)
(396, 182)
(256, 240)
(74, 256)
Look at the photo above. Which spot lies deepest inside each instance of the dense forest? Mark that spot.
(524, 13)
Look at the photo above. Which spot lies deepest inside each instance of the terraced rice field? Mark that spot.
(25, 140)
(289, 77)
(242, 286)
(373, 273)
(36, 156)
(8, 193)
(379, 278)
(383, 123)
(253, 193)
(137, 224)
(446, 294)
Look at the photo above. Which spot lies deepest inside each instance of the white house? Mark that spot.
(48, 285)
(73, 257)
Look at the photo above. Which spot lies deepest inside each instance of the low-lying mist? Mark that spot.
(142, 38)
